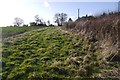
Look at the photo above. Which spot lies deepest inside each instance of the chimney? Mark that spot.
(78, 13)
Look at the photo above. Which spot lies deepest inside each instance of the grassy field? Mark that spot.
(10, 31)
(50, 53)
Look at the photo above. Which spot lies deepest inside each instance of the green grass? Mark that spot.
(49, 53)
(10, 31)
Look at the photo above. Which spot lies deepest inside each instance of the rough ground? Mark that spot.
(54, 53)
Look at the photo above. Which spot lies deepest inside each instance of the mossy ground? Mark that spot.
(49, 53)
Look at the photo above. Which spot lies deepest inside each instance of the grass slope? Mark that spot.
(49, 53)
(10, 31)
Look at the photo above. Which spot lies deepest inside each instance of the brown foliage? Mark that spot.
(101, 29)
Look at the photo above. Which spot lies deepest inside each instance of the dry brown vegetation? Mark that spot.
(102, 30)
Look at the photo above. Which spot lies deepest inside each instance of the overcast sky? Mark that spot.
(27, 9)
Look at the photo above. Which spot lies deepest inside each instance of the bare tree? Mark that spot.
(48, 23)
(18, 21)
(63, 17)
(37, 19)
(60, 18)
(57, 18)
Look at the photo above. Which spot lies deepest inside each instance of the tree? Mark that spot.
(18, 21)
(48, 23)
(69, 24)
(57, 18)
(70, 20)
(37, 19)
(60, 18)
(63, 18)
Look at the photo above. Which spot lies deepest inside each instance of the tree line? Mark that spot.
(59, 18)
